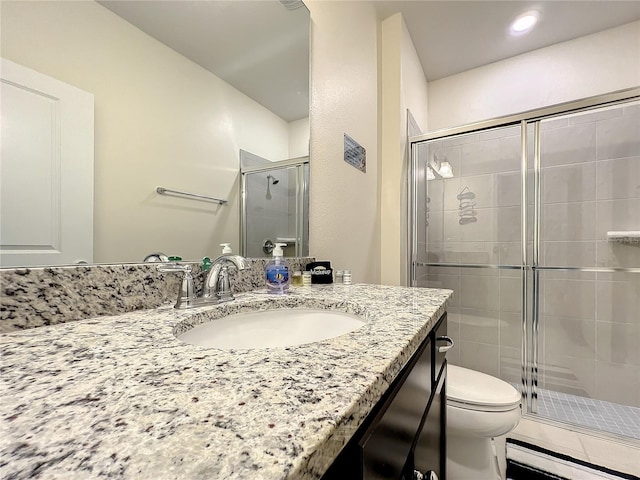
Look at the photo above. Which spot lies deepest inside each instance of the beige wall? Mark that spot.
(587, 66)
(160, 120)
(344, 202)
(404, 87)
(299, 138)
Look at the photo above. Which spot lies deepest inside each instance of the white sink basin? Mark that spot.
(282, 327)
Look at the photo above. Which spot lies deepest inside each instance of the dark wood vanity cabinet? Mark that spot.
(429, 454)
(405, 431)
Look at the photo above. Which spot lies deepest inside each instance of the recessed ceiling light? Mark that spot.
(525, 22)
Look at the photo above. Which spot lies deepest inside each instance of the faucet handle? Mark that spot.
(174, 267)
(187, 293)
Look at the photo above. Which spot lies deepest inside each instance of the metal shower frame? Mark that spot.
(530, 270)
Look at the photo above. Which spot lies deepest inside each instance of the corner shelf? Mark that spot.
(626, 237)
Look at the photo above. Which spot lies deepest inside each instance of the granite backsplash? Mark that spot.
(34, 297)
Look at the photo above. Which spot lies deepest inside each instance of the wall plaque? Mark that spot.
(355, 154)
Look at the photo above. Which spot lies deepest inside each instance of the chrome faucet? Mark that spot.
(217, 287)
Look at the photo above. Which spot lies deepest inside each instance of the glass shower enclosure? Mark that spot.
(534, 221)
(274, 206)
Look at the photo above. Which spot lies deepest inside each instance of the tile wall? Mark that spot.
(270, 212)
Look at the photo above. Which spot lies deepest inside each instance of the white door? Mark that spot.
(46, 170)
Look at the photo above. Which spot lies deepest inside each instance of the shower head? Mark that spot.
(272, 179)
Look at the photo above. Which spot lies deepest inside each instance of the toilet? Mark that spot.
(479, 408)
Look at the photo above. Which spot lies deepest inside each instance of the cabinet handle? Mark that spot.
(445, 348)
(430, 475)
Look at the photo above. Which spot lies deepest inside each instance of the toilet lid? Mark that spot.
(473, 388)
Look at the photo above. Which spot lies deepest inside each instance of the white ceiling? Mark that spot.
(455, 36)
(262, 48)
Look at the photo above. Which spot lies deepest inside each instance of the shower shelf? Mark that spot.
(629, 236)
(286, 239)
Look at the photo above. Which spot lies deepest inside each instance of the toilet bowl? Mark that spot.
(479, 408)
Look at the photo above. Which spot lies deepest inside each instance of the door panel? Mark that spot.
(47, 145)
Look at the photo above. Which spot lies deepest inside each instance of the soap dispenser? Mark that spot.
(277, 272)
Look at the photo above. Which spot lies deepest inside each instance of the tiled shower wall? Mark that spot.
(589, 321)
(269, 211)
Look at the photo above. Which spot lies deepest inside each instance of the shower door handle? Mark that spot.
(445, 348)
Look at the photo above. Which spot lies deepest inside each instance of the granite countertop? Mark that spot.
(121, 397)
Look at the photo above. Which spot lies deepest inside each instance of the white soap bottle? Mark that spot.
(277, 272)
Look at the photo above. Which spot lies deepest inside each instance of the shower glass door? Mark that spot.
(534, 222)
(587, 276)
(468, 237)
(275, 208)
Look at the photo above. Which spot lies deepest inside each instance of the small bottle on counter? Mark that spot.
(346, 277)
(306, 278)
(296, 279)
(339, 276)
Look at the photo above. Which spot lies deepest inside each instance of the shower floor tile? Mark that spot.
(587, 412)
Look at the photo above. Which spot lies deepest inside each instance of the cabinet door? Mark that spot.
(429, 453)
(387, 445)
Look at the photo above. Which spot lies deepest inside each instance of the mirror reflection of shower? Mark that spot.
(271, 180)
(280, 216)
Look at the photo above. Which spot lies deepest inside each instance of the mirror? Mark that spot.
(179, 88)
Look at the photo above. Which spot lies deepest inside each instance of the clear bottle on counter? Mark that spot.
(346, 277)
(296, 279)
(339, 276)
(306, 278)
(277, 272)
